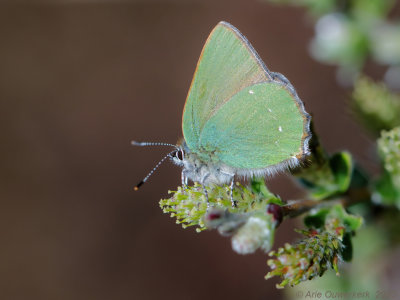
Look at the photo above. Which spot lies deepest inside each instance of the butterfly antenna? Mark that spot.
(152, 171)
(135, 143)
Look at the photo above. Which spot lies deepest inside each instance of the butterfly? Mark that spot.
(239, 119)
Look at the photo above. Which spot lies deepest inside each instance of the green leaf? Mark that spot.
(258, 186)
(347, 250)
(359, 179)
(341, 168)
(352, 222)
(385, 193)
(331, 218)
(316, 219)
(325, 176)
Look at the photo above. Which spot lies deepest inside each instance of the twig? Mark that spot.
(295, 208)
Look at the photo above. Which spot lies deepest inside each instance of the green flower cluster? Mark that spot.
(306, 260)
(251, 223)
(389, 148)
(328, 241)
(189, 204)
(375, 105)
(387, 187)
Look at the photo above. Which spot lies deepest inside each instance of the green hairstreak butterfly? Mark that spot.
(240, 119)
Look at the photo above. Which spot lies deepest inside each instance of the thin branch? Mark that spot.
(295, 208)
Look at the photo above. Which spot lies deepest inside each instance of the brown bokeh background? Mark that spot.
(78, 82)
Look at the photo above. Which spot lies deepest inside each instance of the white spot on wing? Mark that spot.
(280, 128)
(269, 110)
(251, 92)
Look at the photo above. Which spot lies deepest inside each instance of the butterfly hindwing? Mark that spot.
(227, 64)
(259, 127)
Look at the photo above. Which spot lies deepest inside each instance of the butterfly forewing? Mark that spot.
(227, 64)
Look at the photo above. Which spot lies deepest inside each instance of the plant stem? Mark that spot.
(295, 208)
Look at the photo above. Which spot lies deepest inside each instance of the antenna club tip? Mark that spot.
(138, 185)
(135, 143)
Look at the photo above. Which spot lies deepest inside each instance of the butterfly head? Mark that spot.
(201, 167)
(178, 156)
(186, 159)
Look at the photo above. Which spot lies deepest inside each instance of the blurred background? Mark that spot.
(78, 81)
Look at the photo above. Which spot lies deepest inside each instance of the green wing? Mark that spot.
(227, 64)
(261, 126)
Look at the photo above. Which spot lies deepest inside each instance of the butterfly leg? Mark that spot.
(233, 202)
(205, 190)
(206, 193)
(184, 179)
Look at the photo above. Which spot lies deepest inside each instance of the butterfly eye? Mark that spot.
(179, 154)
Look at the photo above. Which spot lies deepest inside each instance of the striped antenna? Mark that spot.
(152, 171)
(135, 143)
